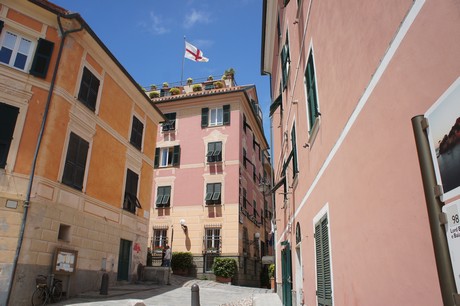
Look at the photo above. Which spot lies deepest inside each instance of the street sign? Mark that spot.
(452, 210)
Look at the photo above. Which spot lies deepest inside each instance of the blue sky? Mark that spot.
(147, 38)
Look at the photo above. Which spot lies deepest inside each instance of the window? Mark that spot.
(64, 232)
(15, 51)
(160, 240)
(245, 197)
(163, 196)
(295, 167)
(214, 152)
(215, 116)
(213, 193)
(167, 157)
(136, 133)
(312, 99)
(131, 201)
(8, 117)
(170, 124)
(42, 58)
(75, 163)
(244, 123)
(254, 176)
(323, 265)
(285, 62)
(212, 245)
(254, 209)
(89, 88)
(244, 159)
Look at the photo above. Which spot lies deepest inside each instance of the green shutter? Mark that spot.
(323, 265)
(166, 196)
(160, 194)
(42, 58)
(295, 168)
(176, 156)
(204, 117)
(157, 158)
(226, 115)
(311, 91)
(1, 25)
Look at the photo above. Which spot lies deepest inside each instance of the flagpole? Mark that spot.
(183, 59)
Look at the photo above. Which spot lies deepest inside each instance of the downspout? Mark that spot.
(37, 149)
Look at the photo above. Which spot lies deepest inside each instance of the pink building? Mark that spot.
(210, 160)
(346, 79)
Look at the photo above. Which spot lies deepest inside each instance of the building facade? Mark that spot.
(347, 78)
(211, 161)
(77, 148)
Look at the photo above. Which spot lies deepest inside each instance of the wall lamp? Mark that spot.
(256, 238)
(183, 225)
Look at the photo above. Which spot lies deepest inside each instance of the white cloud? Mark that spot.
(156, 24)
(195, 17)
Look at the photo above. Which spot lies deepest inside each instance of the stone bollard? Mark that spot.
(104, 284)
(195, 295)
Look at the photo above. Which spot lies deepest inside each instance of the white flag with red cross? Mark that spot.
(194, 54)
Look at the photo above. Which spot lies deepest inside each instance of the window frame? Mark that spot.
(130, 201)
(285, 58)
(162, 192)
(313, 112)
(173, 151)
(85, 98)
(159, 240)
(170, 123)
(137, 133)
(14, 52)
(214, 154)
(8, 137)
(322, 258)
(69, 178)
(213, 195)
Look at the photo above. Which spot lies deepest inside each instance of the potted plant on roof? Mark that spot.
(189, 81)
(230, 73)
(224, 269)
(154, 94)
(174, 91)
(181, 263)
(197, 87)
(218, 84)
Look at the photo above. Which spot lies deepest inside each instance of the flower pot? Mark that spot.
(225, 280)
(272, 283)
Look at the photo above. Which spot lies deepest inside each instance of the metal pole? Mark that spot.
(195, 295)
(434, 208)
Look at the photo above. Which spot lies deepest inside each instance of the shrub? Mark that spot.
(224, 267)
(165, 84)
(174, 91)
(154, 94)
(197, 87)
(271, 270)
(189, 81)
(182, 261)
(218, 84)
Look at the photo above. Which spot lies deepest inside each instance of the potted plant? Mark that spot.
(153, 87)
(165, 85)
(181, 263)
(271, 275)
(154, 94)
(224, 269)
(210, 78)
(197, 87)
(189, 81)
(174, 91)
(230, 73)
(218, 84)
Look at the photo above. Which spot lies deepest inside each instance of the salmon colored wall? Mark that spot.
(115, 107)
(30, 132)
(145, 186)
(69, 68)
(93, 63)
(103, 176)
(51, 149)
(150, 138)
(24, 20)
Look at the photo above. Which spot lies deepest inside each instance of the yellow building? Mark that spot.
(77, 148)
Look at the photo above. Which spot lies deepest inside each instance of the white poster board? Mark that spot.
(444, 139)
(452, 211)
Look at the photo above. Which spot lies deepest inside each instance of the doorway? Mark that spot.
(286, 270)
(123, 259)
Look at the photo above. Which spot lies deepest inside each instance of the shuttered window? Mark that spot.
(42, 58)
(136, 133)
(75, 163)
(215, 116)
(312, 99)
(8, 117)
(163, 196)
(167, 157)
(295, 167)
(213, 193)
(285, 62)
(214, 152)
(170, 124)
(89, 88)
(15, 50)
(323, 264)
(131, 201)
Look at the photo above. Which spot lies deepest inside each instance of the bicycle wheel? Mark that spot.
(39, 296)
(57, 292)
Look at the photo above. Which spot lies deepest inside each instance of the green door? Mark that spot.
(286, 270)
(123, 259)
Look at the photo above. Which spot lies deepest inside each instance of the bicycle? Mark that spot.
(44, 293)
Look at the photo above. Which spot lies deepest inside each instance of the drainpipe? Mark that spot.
(37, 149)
